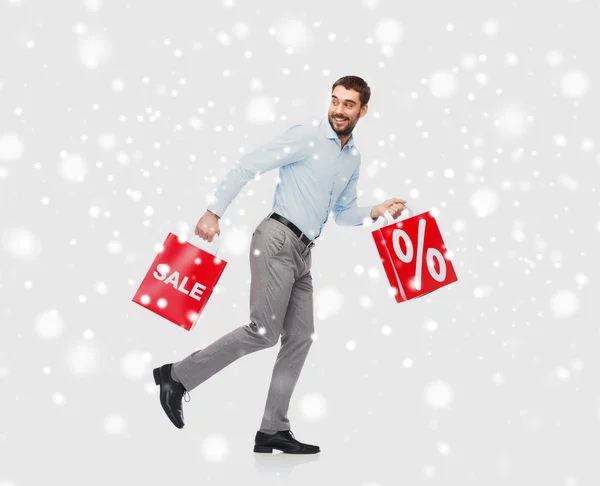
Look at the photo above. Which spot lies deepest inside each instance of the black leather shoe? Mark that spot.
(171, 392)
(284, 441)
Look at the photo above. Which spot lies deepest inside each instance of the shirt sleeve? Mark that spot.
(345, 211)
(284, 149)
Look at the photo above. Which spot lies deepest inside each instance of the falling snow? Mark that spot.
(119, 120)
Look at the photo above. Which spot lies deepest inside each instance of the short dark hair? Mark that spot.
(357, 84)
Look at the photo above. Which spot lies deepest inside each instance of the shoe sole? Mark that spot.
(269, 449)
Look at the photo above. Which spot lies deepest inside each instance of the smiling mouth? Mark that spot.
(338, 120)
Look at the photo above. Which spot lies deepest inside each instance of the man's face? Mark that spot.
(345, 105)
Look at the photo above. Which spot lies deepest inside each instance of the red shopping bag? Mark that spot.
(414, 256)
(179, 282)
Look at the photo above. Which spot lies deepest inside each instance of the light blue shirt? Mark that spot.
(316, 177)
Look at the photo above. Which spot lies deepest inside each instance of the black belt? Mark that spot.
(305, 239)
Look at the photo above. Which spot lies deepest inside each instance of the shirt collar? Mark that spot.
(330, 133)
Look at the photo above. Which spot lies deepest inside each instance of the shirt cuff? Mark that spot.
(218, 206)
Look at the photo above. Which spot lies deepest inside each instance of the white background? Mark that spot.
(117, 121)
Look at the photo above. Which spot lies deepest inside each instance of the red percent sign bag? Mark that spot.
(180, 282)
(414, 255)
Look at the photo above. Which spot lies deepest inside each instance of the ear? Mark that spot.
(363, 110)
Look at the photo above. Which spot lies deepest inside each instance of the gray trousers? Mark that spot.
(281, 303)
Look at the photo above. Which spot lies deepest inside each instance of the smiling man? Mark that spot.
(344, 112)
(319, 167)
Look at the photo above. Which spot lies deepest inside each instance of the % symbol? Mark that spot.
(408, 256)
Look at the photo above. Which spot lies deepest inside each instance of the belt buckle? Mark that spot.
(310, 245)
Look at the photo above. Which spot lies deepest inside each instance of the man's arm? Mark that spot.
(284, 149)
(346, 212)
(218, 217)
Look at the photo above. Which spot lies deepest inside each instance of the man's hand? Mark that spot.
(207, 226)
(395, 206)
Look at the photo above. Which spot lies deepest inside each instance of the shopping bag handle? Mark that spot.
(197, 240)
(389, 219)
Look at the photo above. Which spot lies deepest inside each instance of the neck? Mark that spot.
(343, 140)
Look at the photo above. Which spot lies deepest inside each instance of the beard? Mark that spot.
(346, 127)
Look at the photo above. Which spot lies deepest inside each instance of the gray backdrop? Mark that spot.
(117, 121)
